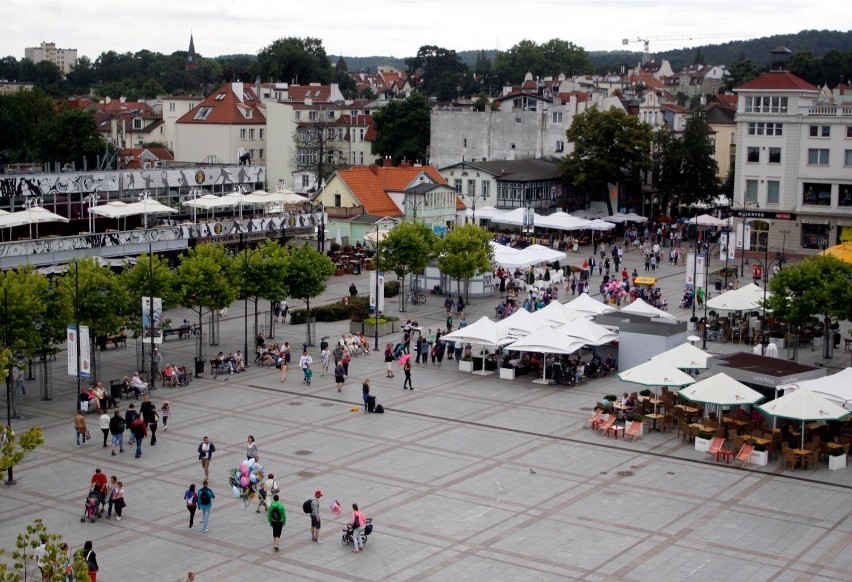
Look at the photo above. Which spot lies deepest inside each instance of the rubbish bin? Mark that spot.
(836, 338)
(199, 367)
(718, 285)
(356, 268)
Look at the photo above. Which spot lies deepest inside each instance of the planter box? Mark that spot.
(691, 325)
(759, 458)
(384, 329)
(356, 326)
(836, 463)
(507, 373)
(778, 341)
(465, 366)
(702, 445)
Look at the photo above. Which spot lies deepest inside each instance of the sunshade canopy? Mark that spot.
(707, 220)
(746, 298)
(837, 388)
(483, 331)
(722, 390)
(639, 307)
(653, 373)
(842, 251)
(588, 331)
(34, 215)
(520, 323)
(585, 305)
(546, 340)
(804, 405)
(684, 357)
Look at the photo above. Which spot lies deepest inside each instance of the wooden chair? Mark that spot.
(634, 429)
(666, 423)
(744, 455)
(811, 460)
(683, 430)
(790, 458)
(606, 425)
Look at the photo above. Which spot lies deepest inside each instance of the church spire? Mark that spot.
(191, 57)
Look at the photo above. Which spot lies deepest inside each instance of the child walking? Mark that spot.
(165, 413)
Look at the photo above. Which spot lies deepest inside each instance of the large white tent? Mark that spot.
(562, 221)
(685, 357)
(515, 217)
(837, 388)
(588, 331)
(707, 220)
(721, 390)
(585, 305)
(746, 298)
(653, 373)
(547, 341)
(640, 308)
(804, 405)
(519, 324)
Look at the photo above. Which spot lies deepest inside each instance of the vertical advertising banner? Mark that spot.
(690, 267)
(700, 266)
(85, 350)
(731, 245)
(155, 331)
(381, 289)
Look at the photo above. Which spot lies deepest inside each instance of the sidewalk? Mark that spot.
(466, 478)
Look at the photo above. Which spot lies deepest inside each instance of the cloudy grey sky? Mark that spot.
(398, 27)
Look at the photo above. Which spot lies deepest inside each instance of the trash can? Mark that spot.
(356, 268)
(199, 367)
(836, 338)
(718, 285)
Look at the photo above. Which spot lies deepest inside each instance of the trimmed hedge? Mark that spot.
(391, 288)
(332, 312)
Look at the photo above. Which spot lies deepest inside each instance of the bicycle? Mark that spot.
(717, 336)
(416, 296)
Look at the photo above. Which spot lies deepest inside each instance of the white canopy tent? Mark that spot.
(588, 331)
(483, 332)
(707, 220)
(618, 218)
(552, 315)
(837, 388)
(721, 390)
(590, 214)
(562, 221)
(547, 341)
(515, 217)
(520, 258)
(804, 405)
(585, 305)
(33, 215)
(487, 212)
(642, 309)
(653, 373)
(519, 324)
(746, 298)
(685, 357)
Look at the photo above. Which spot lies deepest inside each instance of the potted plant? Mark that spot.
(371, 323)
(507, 371)
(759, 456)
(702, 441)
(645, 392)
(693, 321)
(836, 459)
(466, 364)
(819, 337)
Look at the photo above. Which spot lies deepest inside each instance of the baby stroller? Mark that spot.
(398, 350)
(93, 508)
(347, 533)
(687, 300)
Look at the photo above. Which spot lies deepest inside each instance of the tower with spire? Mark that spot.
(191, 57)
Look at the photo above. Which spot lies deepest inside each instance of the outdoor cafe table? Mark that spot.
(701, 427)
(757, 440)
(835, 445)
(688, 410)
(654, 417)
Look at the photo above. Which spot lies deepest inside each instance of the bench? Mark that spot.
(116, 339)
(182, 332)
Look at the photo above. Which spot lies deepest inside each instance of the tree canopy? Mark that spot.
(609, 147)
(295, 60)
(26, 565)
(684, 165)
(549, 59)
(402, 129)
(439, 71)
(407, 248)
(465, 252)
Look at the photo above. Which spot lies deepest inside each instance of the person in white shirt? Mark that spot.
(137, 384)
(305, 364)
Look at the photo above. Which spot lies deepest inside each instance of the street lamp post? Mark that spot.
(152, 385)
(709, 250)
(376, 312)
(10, 480)
(744, 207)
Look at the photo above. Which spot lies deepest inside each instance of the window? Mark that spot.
(816, 194)
(464, 145)
(844, 195)
(774, 155)
(820, 131)
(305, 181)
(220, 97)
(753, 155)
(307, 157)
(471, 187)
(260, 133)
(251, 133)
(312, 115)
(759, 235)
(849, 131)
(486, 188)
(761, 128)
(361, 158)
(172, 105)
(202, 113)
(751, 191)
(298, 115)
(137, 123)
(557, 117)
(242, 134)
(260, 153)
(458, 185)
(338, 200)
(817, 157)
(773, 190)
(848, 160)
(512, 146)
(560, 146)
(766, 105)
(815, 236)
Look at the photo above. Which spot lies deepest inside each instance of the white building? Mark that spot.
(793, 182)
(65, 59)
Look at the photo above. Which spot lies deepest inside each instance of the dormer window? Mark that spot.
(202, 113)
(220, 97)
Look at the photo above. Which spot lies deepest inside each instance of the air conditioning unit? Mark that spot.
(159, 164)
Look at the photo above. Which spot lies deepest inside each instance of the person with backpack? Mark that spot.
(205, 454)
(277, 517)
(305, 364)
(91, 560)
(129, 417)
(116, 429)
(191, 500)
(205, 504)
(139, 430)
(315, 516)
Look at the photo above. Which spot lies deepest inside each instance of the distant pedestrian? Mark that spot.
(365, 393)
(358, 523)
(277, 517)
(251, 449)
(267, 490)
(389, 360)
(305, 364)
(448, 304)
(118, 500)
(285, 309)
(129, 417)
(205, 454)
(156, 360)
(103, 421)
(151, 418)
(406, 369)
(325, 358)
(460, 306)
(116, 429)
(139, 430)
(165, 414)
(113, 485)
(205, 504)
(80, 429)
(91, 561)
(339, 376)
(315, 516)
(353, 290)
(191, 500)
(345, 361)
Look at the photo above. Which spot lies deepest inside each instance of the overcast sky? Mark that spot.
(398, 27)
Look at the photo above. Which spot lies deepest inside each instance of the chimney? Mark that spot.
(387, 162)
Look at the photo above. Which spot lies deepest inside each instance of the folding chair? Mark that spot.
(595, 416)
(606, 425)
(716, 446)
(744, 455)
(634, 429)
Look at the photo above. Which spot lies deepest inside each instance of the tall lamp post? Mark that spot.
(376, 312)
(709, 250)
(743, 208)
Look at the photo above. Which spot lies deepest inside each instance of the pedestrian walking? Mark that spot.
(365, 394)
(406, 369)
(113, 485)
(191, 500)
(80, 428)
(460, 306)
(285, 309)
(205, 454)
(315, 517)
(305, 364)
(151, 418)
(338, 376)
(448, 304)
(277, 517)
(165, 414)
(205, 504)
(156, 359)
(118, 502)
(129, 417)
(103, 422)
(440, 348)
(358, 523)
(389, 360)
(345, 361)
(268, 489)
(251, 449)
(325, 357)
(139, 430)
(91, 560)
(353, 290)
(116, 429)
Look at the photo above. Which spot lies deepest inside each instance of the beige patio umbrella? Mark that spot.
(34, 215)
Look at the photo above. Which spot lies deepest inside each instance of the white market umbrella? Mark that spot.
(114, 209)
(489, 212)
(552, 315)
(371, 236)
(519, 324)
(337, 238)
(746, 298)
(590, 214)
(721, 390)
(563, 221)
(685, 357)
(588, 331)
(642, 309)
(547, 341)
(653, 373)
(148, 206)
(515, 217)
(804, 405)
(836, 388)
(585, 305)
(482, 332)
(707, 220)
(33, 215)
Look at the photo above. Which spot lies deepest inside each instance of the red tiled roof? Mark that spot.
(117, 106)
(777, 81)
(371, 184)
(135, 154)
(227, 108)
(566, 96)
(725, 99)
(673, 107)
(316, 92)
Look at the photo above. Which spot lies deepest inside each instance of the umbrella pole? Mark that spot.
(803, 434)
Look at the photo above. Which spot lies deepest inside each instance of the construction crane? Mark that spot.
(646, 54)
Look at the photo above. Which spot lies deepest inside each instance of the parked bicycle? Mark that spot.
(416, 296)
(717, 335)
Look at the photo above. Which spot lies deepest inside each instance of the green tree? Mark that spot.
(684, 167)
(306, 275)
(741, 71)
(25, 562)
(295, 60)
(482, 103)
(549, 59)
(21, 115)
(13, 448)
(407, 248)
(609, 147)
(402, 129)
(464, 253)
(203, 283)
(817, 286)
(71, 136)
(260, 274)
(438, 70)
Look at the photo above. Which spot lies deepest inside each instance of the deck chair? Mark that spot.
(716, 446)
(607, 424)
(595, 416)
(634, 429)
(744, 455)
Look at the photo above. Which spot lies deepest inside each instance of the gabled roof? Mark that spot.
(314, 91)
(777, 81)
(132, 157)
(720, 114)
(228, 105)
(516, 170)
(673, 107)
(371, 185)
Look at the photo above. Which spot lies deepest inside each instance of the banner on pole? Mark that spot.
(85, 350)
(381, 289)
(157, 331)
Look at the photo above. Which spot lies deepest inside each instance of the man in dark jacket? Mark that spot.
(129, 417)
(151, 418)
(138, 430)
(116, 429)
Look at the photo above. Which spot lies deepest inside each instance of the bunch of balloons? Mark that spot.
(245, 479)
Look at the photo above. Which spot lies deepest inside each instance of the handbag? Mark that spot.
(275, 489)
(88, 436)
